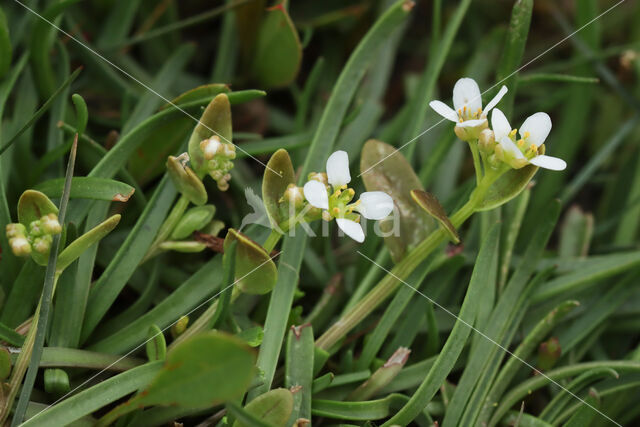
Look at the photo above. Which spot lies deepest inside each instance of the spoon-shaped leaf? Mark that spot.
(216, 120)
(33, 205)
(273, 408)
(274, 186)
(256, 273)
(383, 168)
(202, 371)
(432, 206)
(85, 187)
(192, 220)
(278, 50)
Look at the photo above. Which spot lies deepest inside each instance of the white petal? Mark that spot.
(444, 110)
(338, 168)
(375, 205)
(471, 123)
(351, 229)
(548, 162)
(500, 124)
(316, 194)
(502, 92)
(538, 126)
(466, 92)
(510, 147)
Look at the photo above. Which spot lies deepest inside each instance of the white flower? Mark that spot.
(374, 205)
(533, 133)
(467, 103)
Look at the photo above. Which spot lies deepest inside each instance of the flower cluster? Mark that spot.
(38, 238)
(499, 145)
(218, 156)
(329, 192)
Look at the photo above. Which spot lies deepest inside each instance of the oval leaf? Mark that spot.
(198, 93)
(273, 408)
(432, 206)
(256, 273)
(192, 220)
(273, 185)
(203, 371)
(396, 177)
(507, 187)
(186, 181)
(33, 205)
(278, 50)
(89, 188)
(216, 120)
(156, 345)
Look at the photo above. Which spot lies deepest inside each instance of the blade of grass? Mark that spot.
(32, 348)
(299, 369)
(40, 110)
(486, 261)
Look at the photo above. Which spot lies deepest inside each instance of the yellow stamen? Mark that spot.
(336, 211)
(520, 143)
(533, 148)
(513, 133)
(526, 135)
(464, 110)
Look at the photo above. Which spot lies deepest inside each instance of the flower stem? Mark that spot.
(477, 164)
(402, 270)
(167, 227)
(272, 240)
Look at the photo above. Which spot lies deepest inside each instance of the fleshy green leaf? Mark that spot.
(33, 205)
(156, 345)
(396, 177)
(256, 273)
(89, 188)
(278, 50)
(274, 186)
(192, 367)
(5, 364)
(82, 243)
(186, 181)
(197, 93)
(507, 187)
(192, 220)
(216, 120)
(432, 206)
(273, 408)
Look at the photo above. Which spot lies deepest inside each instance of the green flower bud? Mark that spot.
(293, 195)
(42, 244)
(50, 224)
(318, 176)
(35, 229)
(20, 246)
(486, 141)
(15, 230)
(180, 326)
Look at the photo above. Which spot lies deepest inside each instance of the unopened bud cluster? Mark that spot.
(38, 238)
(218, 156)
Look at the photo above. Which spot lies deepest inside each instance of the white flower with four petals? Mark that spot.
(533, 133)
(467, 104)
(374, 205)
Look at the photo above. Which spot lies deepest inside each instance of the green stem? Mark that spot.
(402, 270)
(272, 240)
(473, 145)
(167, 227)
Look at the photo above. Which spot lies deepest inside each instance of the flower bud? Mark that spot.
(318, 176)
(20, 246)
(50, 224)
(293, 195)
(486, 141)
(210, 147)
(15, 230)
(42, 244)
(35, 229)
(180, 326)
